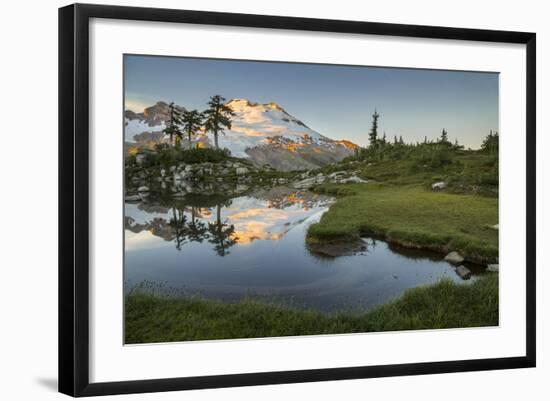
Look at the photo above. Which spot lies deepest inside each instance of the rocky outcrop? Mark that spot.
(454, 258)
(339, 177)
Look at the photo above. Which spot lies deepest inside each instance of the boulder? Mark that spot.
(143, 189)
(140, 159)
(241, 170)
(282, 181)
(162, 172)
(352, 179)
(439, 185)
(493, 268)
(454, 257)
(306, 183)
(336, 174)
(463, 272)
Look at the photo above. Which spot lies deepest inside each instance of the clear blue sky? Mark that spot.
(337, 101)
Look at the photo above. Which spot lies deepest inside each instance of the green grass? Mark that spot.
(411, 216)
(468, 172)
(153, 318)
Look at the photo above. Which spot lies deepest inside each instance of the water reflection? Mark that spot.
(253, 245)
(222, 222)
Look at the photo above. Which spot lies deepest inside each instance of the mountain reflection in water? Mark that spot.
(254, 246)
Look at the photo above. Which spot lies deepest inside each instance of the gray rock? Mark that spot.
(282, 181)
(241, 170)
(336, 174)
(439, 185)
(131, 198)
(309, 182)
(189, 167)
(140, 159)
(463, 272)
(492, 268)
(352, 179)
(162, 172)
(143, 189)
(454, 257)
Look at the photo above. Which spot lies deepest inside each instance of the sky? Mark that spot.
(336, 101)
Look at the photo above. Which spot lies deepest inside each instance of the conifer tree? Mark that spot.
(373, 134)
(218, 117)
(444, 137)
(172, 129)
(192, 121)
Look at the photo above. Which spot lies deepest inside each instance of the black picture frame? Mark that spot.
(74, 201)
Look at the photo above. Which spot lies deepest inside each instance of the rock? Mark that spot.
(495, 227)
(173, 168)
(336, 174)
(463, 272)
(454, 257)
(241, 170)
(189, 167)
(493, 268)
(309, 182)
(439, 185)
(282, 181)
(352, 179)
(140, 159)
(162, 172)
(132, 198)
(143, 189)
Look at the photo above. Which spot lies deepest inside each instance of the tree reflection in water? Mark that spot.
(218, 233)
(221, 234)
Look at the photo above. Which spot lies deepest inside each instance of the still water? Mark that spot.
(254, 246)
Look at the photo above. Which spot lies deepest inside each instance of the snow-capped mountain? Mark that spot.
(264, 133)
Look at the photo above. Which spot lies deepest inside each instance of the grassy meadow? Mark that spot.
(153, 318)
(412, 216)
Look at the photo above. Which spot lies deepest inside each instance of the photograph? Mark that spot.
(269, 198)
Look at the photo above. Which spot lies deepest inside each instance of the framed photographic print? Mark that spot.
(249, 199)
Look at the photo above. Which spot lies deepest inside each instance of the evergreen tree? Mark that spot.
(172, 129)
(401, 142)
(425, 139)
(218, 117)
(373, 134)
(490, 143)
(192, 121)
(395, 139)
(444, 137)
